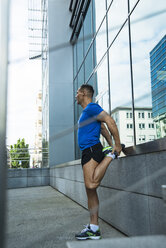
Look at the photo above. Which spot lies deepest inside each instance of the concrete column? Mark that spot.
(61, 118)
(4, 18)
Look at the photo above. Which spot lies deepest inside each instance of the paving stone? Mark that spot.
(42, 217)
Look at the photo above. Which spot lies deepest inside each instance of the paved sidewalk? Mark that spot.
(41, 217)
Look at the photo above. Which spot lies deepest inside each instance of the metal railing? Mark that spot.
(27, 157)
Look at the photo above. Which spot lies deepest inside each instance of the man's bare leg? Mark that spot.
(100, 170)
(93, 174)
(93, 205)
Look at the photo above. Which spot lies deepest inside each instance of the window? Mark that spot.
(149, 115)
(129, 115)
(141, 115)
(142, 137)
(129, 126)
(141, 126)
(151, 125)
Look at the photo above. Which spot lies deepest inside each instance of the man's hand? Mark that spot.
(117, 149)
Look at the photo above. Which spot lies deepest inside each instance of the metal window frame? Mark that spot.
(71, 5)
(131, 75)
(108, 59)
(75, 9)
(81, 8)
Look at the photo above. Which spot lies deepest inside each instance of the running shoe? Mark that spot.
(87, 233)
(107, 149)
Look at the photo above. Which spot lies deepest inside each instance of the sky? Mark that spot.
(24, 78)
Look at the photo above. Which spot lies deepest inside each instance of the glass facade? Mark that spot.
(112, 54)
(158, 85)
(158, 77)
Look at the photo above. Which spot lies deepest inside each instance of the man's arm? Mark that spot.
(106, 134)
(106, 118)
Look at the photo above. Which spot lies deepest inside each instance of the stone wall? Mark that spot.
(21, 178)
(130, 193)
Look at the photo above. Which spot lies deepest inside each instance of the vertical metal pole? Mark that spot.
(4, 17)
(74, 109)
(83, 40)
(131, 74)
(93, 47)
(108, 63)
(77, 108)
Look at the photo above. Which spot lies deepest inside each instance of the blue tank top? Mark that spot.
(88, 126)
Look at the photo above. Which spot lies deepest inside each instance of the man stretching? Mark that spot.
(95, 158)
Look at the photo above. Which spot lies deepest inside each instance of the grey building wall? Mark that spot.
(61, 147)
(130, 193)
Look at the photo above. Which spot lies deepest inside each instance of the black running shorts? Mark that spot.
(94, 152)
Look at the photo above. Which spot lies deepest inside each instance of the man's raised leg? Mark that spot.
(94, 172)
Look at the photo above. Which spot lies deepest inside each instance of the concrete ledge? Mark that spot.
(17, 172)
(135, 242)
(37, 172)
(70, 163)
(164, 192)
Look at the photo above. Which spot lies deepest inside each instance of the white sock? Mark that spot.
(94, 228)
(111, 155)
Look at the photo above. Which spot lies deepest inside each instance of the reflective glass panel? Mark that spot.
(101, 38)
(117, 15)
(89, 65)
(88, 33)
(80, 50)
(99, 8)
(149, 69)
(133, 3)
(121, 87)
(74, 60)
(102, 81)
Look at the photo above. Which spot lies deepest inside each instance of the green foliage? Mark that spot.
(19, 154)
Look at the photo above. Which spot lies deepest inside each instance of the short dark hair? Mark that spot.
(88, 88)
